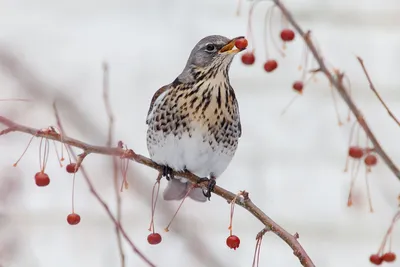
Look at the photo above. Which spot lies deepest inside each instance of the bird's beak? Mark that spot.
(230, 48)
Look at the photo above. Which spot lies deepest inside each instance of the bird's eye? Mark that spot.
(210, 47)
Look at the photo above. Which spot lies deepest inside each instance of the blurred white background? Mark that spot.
(292, 165)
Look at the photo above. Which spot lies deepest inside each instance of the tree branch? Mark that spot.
(246, 203)
(371, 85)
(336, 81)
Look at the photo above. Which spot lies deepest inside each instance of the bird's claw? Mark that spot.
(167, 173)
(210, 186)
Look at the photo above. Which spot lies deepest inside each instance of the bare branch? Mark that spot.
(40, 91)
(246, 203)
(371, 85)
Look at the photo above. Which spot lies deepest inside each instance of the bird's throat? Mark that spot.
(210, 100)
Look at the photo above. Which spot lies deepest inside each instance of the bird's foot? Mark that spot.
(167, 172)
(210, 186)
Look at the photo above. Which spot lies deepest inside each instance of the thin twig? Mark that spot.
(336, 81)
(105, 206)
(371, 85)
(200, 249)
(247, 204)
(78, 160)
(110, 116)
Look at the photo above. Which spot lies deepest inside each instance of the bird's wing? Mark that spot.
(237, 107)
(155, 96)
(240, 129)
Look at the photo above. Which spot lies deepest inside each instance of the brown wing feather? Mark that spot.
(155, 96)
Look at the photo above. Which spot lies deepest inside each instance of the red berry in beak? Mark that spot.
(241, 43)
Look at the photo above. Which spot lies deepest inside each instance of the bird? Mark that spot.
(194, 122)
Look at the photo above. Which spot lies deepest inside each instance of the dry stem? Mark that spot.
(371, 85)
(110, 140)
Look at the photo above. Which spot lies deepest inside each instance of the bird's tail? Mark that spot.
(176, 190)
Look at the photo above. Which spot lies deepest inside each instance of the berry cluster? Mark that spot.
(42, 179)
(389, 256)
(270, 65)
(286, 35)
(357, 152)
(379, 259)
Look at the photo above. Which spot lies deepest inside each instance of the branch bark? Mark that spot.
(246, 203)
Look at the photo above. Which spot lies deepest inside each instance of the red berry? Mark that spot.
(248, 58)
(298, 86)
(389, 257)
(356, 152)
(71, 168)
(73, 218)
(287, 35)
(42, 179)
(233, 242)
(370, 160)
(241, 43)
(270, 65)
(154, 238)
(375, 259)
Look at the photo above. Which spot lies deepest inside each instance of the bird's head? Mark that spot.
(212, 53)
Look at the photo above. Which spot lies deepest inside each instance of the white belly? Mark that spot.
(194, 153)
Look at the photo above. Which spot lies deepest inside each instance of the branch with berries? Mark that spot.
(242, 199)
(335, 77)
(339, 81)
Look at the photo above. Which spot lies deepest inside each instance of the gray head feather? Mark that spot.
(205, 55)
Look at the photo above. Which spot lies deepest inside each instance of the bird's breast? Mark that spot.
(207, 106)
(210, 102)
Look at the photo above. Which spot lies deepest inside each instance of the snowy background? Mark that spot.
(292, 165)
